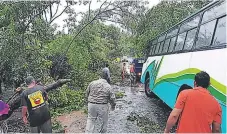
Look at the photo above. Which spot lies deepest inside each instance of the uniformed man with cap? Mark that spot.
(99, 94)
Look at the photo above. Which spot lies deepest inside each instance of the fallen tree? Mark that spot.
(14, 101)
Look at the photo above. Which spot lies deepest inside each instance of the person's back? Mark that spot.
(196, 109)
(200, 110)
(98, 95)
(132, 68)
(107, 73)
(99, 91)
(38, 110)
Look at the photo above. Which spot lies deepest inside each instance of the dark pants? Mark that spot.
(108, 80)
(44, 128)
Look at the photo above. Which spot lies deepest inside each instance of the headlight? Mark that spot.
(139, 73)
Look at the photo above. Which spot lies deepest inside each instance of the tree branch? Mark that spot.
(51, 20)
(56, 9)
(51, 12)
(89, 11)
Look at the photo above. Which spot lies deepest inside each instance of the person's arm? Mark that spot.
(216, 124)
(173, 117)
(112, 99)
(24, 109)
(87, 93)
(176, 112)
(45, 94)
(108, 73)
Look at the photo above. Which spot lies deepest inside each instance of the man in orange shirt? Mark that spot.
(198, 110)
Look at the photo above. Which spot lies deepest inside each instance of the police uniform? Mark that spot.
(99, 94)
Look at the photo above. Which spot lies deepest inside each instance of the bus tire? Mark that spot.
(148, 92)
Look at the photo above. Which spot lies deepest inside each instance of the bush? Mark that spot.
(65, 100)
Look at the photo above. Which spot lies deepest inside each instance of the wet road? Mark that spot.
(136, 113)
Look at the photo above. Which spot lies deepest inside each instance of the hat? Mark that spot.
(29, 80)
(4, 108)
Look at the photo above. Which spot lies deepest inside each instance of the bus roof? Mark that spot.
(200, 10)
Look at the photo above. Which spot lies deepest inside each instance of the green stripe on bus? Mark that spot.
(217, 85)
(211, 88)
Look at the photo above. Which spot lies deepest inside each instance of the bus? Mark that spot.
(197, 43)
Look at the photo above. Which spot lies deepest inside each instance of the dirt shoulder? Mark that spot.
(74, 122)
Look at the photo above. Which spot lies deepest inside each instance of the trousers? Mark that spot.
(97, 118)
(44, 128)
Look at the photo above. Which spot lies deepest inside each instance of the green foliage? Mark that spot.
(119, 95)
(162, 17)
(57, 127)
(65, 100)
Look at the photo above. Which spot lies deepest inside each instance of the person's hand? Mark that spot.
(165, 131)
(18, 89)
(25, 120)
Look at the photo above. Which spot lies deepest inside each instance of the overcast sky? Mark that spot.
(83, 8)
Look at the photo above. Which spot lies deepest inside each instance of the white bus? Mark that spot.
(197, 43)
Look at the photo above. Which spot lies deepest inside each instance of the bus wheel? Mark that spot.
(148, 92)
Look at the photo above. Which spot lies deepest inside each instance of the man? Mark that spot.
(123, 71)
(132, 72)
(198, 110)
(99, 94)
(107, 73)
(34, 104)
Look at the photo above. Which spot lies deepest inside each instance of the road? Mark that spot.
(134, 113)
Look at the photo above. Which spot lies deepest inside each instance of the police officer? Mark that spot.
(34, 104)
(99, 94)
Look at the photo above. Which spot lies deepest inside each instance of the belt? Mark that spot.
(96, 103)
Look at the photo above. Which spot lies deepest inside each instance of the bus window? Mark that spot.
(180, 42)
(152, 47)
(190, 39)
(172, 43)
(155, 42)
(172, 32)
(166, 46)
(161, 38)
(215, 12)
(220, 33)
(193, 22)
(157, 48)
(161, 47)
(153, 51)
(205, 34)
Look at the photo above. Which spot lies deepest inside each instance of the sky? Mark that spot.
(84, 8)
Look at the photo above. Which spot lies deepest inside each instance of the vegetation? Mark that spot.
(119, 95)
(31, 45)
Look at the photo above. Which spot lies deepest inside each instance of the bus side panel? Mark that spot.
(148, 67)
(167, 84)
(178, 69)
(214, 63)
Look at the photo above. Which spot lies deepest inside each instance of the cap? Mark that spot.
(29, 80)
